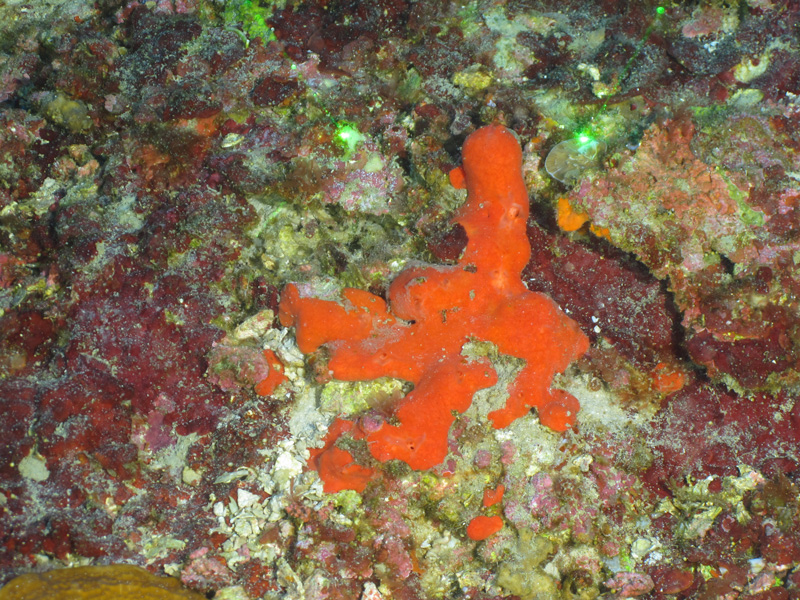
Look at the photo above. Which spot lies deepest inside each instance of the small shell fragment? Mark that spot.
(568, 160)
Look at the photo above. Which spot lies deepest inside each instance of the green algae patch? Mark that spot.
(68, 113)
(353, 397)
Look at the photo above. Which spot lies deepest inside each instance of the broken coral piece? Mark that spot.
(570, 159)
(433, 311)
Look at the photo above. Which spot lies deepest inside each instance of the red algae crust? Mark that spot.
(432, 311)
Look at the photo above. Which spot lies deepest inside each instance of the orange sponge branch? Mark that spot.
(426, 414)
(432, 311)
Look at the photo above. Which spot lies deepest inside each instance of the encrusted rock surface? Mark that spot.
(167, 167)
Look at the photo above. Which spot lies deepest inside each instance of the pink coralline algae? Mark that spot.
(630, 585)
(557, 502)
(716, 235)
(164, 171)
(366, 182)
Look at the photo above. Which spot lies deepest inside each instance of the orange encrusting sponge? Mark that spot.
(276, 376)
(493, 496)
(569, 219)
(335, 466)
(432, 311)
(482, 527)
(426, 413)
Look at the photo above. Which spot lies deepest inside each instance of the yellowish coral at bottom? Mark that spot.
(120, 582)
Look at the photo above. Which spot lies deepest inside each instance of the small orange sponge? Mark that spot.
(432, 311)
(266, 386)
(493, 496)
(482, 527)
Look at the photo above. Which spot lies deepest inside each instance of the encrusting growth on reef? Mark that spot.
(432, 311)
